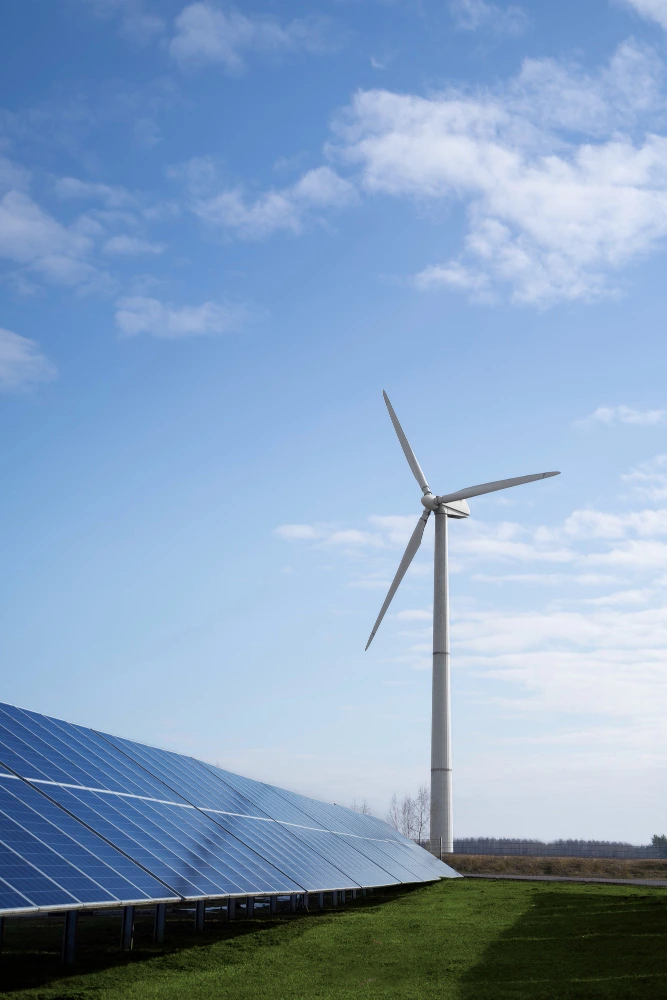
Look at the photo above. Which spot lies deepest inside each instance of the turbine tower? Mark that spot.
(443, 507)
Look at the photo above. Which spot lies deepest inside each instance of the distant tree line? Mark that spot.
(562, 848)
(410, 816)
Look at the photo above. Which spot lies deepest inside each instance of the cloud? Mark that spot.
(113, 196)
(563, 174)
(287, 209)
(22, 364)
(649, 479)
(131, 246)
(651, 10)
(139, 314)
(32, 237)
(473, 15)
(298, 532)
(387, 532)
(611, 415)
(136, 23)
(589, 524)
(207, 34)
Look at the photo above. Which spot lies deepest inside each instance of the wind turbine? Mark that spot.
(444, 507)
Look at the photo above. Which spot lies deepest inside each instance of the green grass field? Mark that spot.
(469, 940)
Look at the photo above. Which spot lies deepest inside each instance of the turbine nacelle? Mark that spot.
(455, 508)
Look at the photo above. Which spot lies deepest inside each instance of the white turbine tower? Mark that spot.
(444, 507)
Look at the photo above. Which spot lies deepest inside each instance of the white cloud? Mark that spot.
(588, 524)
(622, 598)
(22, 364)
(136, 23)
(550, 216)
(651, 10)
(298, 532)
(508, 542)
(548, 579)
(473, 15)
(28, 233)
(112, 196)
(208, 34)
(286, 209)
(131, 246)
(41, 245)
(606, 662)
(140, 314)
(611, 415)
(649, 479)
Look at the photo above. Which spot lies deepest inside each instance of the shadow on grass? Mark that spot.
(577, 946)
(31, 952)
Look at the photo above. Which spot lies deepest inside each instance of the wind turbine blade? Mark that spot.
(500, 484)
(405, 445)
(408, 556)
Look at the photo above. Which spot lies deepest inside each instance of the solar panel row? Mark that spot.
(88, 819)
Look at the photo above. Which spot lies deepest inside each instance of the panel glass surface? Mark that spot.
(244, 819)
(178, 844)
(10, 899)
(384, 853)
(265, 797)
(365, 870)
(47, 748)
(118, 875)
(194, 779)
(104, 819)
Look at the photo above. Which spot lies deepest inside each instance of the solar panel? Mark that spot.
(88, 819)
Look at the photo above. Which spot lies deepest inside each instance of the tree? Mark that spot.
(410, 815)
(422, 813)
(394, 813)
(660, 841)
(362, 807)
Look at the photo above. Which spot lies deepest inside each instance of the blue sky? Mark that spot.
(223, 231)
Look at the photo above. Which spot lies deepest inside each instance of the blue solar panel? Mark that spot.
(90, 819)
(294, 848)
(121, 877)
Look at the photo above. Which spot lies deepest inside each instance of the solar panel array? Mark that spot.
(88, 819)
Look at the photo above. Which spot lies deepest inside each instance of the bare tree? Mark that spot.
(410, 815)
(394, 813)
(362, 807)
(422, 812)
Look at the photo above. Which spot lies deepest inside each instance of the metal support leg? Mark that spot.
(160, 921)
(320, 901)
(305, 900)
(231, 908)
(273, 905)
(342, 897)
(200, 914)
(354, 894)
(292, 903)
(250, 907)
(69, 937)
(363, 893)
(334, 898)
(127, 929)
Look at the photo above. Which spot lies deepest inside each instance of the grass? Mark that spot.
(496, 864)
(455, 940)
